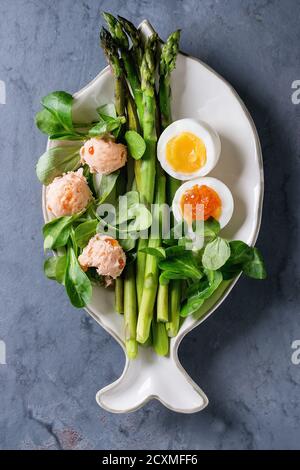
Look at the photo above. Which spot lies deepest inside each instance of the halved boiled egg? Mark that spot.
(202, 198)
(188, 149)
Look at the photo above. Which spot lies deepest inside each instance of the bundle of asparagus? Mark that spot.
(148, 111)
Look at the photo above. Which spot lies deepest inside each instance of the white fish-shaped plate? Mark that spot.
(197, 92)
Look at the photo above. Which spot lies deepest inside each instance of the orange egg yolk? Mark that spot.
(186, 153)
(204, 195)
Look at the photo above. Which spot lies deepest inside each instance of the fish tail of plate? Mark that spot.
(152, 377)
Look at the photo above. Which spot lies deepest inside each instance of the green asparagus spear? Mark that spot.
(147, 163)
(119, 287)
(119, 295)
(146, 170)
(134, 124)
(162, 303)
(172, 326)
(147, 285)
(116, 30)
(130, 312)
(149, 128)
(121, 41)
(132, 116)
(140, 269)
(148, 296)
(160, 338)
(135, 36)
(151, 267)
(112, 56)
(130, 297)
(167, 64)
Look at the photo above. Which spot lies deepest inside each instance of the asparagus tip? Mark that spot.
(169, 53)
(116, 30)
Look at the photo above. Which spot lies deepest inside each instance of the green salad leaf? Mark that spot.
(136, 144)
(229, 271)
(139, 218)
(107, 111)
(84, 231)
(174, 251)
(240, 252)
(127, 244)
(67, 136)
(59, 104)
(56, 161)
(107, 126)
(211, 227)
(185, 265)
(255, 268)
(48, 124)
(201, 291)
(133, 213)
(126, 223)
(167, 276)
(108, 123)
(175, 234)
(163, 253)
(56, 117)
(56, 232)
(216, 253)
(55, 267)
(158, 252)
(243, 258)
(106, 185)
(77, 283)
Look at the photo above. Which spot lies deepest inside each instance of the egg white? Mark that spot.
(221, 189)
(200, 129)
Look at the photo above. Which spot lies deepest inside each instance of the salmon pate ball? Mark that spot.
(105, 254)
(68, 194)
(103, 155)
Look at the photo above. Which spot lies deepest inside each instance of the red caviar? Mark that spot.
(91, 150)
(202, 195)
(112, 241)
